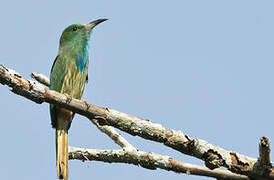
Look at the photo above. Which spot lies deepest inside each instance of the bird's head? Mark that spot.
(78, 32)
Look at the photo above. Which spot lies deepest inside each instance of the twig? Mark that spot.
(115, 136)
(213, 156)
(263, 164)
(41, 78)
(264, 149)
(150, 161)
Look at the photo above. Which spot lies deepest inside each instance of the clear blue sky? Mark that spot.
(202, 67)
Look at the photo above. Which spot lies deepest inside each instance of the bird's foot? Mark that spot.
(87, 104)
(69, 98)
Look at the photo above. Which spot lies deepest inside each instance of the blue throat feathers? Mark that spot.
(82, 58)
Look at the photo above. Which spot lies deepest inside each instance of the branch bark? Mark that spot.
(213, 156)
(151, 161)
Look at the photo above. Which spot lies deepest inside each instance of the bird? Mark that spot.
(69, 74)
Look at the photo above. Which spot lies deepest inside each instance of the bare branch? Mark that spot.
(213, 156)
(150, 161)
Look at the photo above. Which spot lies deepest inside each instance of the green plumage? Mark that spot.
(68, 76)
(65, 76)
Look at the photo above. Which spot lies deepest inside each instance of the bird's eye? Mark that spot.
(74, 29)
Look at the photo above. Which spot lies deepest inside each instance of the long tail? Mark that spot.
(62, 153)
(63, 121)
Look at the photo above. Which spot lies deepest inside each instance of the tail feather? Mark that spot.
(62, 153)
(63, 123)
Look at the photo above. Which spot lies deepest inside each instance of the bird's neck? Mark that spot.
(75, 46)
(77, 50)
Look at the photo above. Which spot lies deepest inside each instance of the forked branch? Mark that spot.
(213, 156)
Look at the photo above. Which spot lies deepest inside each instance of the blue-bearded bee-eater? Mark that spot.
(69, 74)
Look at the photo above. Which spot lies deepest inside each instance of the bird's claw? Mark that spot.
(87, 104)
(68, 98)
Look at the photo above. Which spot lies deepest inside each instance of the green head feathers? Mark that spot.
(74, 42)
(77, 33)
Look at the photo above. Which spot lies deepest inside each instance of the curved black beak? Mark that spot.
(96, 22)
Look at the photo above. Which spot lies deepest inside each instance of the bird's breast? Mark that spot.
(74, 80)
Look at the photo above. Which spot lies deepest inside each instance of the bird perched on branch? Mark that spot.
(69, 74)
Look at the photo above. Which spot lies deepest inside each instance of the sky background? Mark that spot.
(202, 67)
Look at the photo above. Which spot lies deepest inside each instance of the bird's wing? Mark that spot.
(53, 63)
(57, 76)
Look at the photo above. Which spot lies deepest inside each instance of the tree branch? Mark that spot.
(149, 161)
(213, 156)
